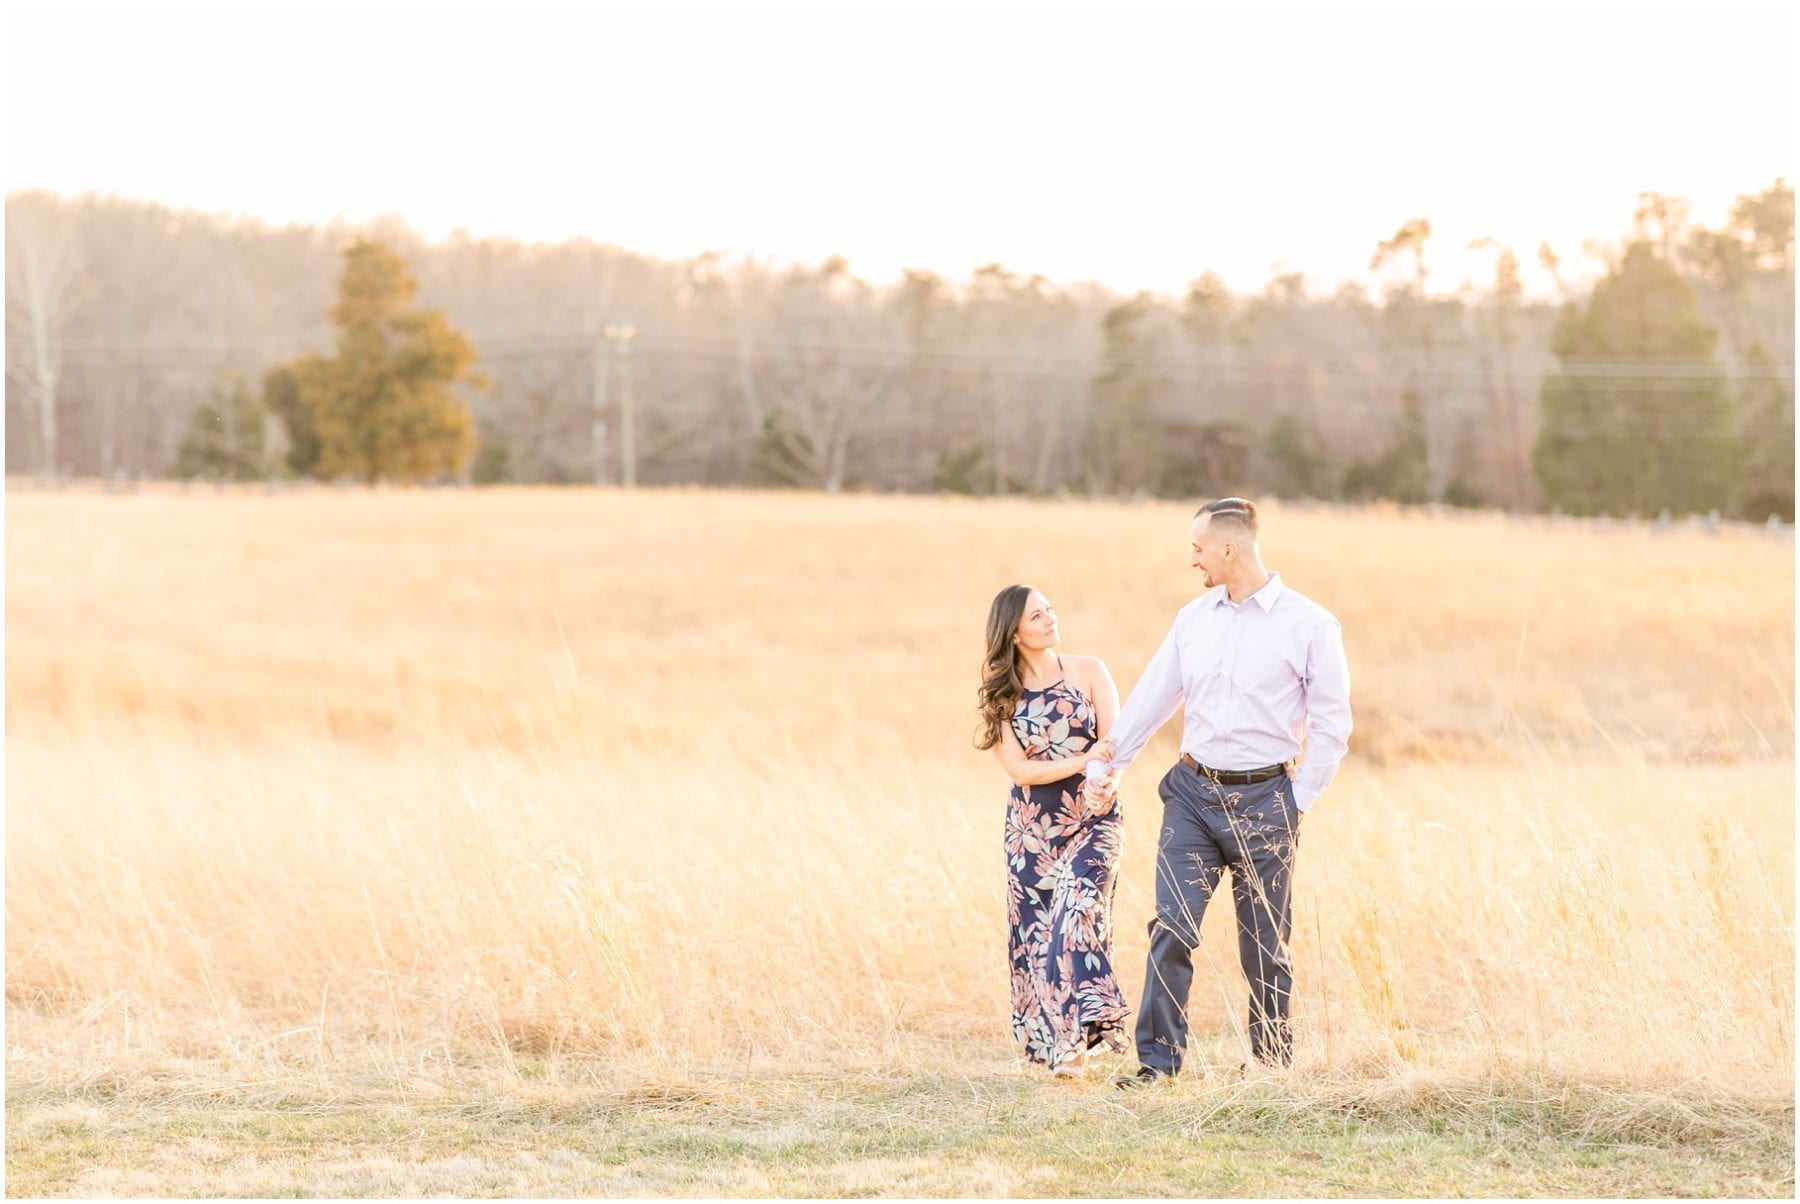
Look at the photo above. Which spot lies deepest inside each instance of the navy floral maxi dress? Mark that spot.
(1060, 858)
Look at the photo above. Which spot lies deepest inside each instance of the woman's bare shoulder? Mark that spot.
(1085, 668)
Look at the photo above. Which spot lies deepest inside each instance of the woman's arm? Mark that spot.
(1027, 772)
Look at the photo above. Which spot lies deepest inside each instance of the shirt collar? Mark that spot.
(1266, 597)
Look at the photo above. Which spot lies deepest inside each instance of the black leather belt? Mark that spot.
(1233, 777)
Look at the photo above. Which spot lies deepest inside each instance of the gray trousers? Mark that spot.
(1254, 832)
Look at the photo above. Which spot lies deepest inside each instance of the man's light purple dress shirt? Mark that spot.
(1259, 676)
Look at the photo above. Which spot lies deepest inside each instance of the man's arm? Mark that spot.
(1157, 693)
(1327, 712)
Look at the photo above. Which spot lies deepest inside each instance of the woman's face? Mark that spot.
(1037, 626)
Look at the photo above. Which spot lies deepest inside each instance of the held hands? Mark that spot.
(1100, 793)
(1101, 789)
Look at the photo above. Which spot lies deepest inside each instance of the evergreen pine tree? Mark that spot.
(382, 408)
(1638, 417)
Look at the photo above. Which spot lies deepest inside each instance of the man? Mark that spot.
(1263, 673)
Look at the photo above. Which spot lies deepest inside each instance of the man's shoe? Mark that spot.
(1143, 1078)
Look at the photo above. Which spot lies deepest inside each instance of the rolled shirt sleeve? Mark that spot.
(1327, 711)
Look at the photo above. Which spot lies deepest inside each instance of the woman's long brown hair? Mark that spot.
(1001, 686)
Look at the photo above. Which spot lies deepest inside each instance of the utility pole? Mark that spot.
(599, 431)
(621, 335)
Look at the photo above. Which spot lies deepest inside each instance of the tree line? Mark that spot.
(142, 341)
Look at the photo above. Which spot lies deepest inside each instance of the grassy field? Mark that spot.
(562, 842)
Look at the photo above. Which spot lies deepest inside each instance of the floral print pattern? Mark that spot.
(1061, 854)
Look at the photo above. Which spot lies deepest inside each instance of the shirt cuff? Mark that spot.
(1304, 797)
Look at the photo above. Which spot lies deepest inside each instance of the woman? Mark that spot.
(1046, 716)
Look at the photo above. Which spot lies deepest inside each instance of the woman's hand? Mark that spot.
(1099, 796)
(1101, 751)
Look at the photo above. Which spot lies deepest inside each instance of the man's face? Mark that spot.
(1209, 551)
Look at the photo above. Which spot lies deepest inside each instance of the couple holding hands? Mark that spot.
(1266, 688)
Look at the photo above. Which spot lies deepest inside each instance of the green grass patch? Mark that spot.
(573, 1133)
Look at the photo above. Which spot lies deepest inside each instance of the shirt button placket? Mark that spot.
(1231, 657)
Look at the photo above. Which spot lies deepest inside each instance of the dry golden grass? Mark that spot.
(326, 787)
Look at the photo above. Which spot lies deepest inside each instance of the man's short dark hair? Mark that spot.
(1231, 516)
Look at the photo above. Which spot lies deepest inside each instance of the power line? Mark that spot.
(500, 344)
(1199, 380)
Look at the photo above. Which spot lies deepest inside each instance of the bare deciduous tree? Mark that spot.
(40, 271)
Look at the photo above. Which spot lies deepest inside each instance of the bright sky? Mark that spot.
(1136, 145)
